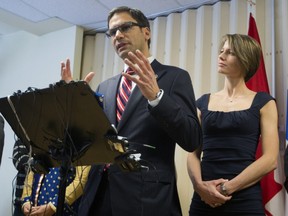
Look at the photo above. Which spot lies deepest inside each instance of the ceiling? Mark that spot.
(44, 16)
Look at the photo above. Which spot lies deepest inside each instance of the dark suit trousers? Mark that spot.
(101, 205)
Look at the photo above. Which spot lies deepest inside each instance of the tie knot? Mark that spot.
(130, 71)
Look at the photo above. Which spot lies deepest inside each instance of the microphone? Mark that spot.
(1, 137)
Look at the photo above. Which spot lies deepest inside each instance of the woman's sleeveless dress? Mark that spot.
(230, 140)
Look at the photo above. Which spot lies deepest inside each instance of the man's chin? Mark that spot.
(123, 54)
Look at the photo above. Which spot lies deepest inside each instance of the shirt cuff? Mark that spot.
(156, 101)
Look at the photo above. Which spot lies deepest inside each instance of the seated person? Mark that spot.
(40, 193)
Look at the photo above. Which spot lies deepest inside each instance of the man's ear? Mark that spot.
(147, 33)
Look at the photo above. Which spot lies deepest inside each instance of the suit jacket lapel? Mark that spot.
(110, 108)
(158, 68)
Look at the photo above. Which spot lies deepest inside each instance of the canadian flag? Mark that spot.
(272, 192)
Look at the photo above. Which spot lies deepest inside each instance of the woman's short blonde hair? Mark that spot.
(246, 49)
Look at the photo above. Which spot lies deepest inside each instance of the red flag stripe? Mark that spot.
(259, 83)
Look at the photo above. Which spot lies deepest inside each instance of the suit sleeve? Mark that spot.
(177, 113)
(20, 156)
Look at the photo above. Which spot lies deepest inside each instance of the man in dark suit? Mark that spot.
(1, 137)
(160, 112)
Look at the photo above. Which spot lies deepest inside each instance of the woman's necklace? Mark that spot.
(232, 99)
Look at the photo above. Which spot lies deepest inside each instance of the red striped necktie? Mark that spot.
(123, 95)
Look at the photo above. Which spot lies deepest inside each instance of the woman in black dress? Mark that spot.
(224, 171)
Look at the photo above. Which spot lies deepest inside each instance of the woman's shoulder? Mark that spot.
(204, 97)
(262, 98)
(203, 100)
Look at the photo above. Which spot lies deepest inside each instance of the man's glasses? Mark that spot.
(125, 27)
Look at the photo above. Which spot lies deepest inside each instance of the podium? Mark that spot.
(65, 126)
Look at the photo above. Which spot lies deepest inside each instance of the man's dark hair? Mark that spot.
(134, 13)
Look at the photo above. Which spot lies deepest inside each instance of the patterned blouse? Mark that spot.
(42, 189)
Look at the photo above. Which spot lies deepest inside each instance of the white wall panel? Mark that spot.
(172, 43)
(281, 63)
(238, 16)
(281, 75)
(203, 33)
(109, 67)
(186, 61)
(220, 24)
(187, 41)
(88, 59)
(158, 30)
